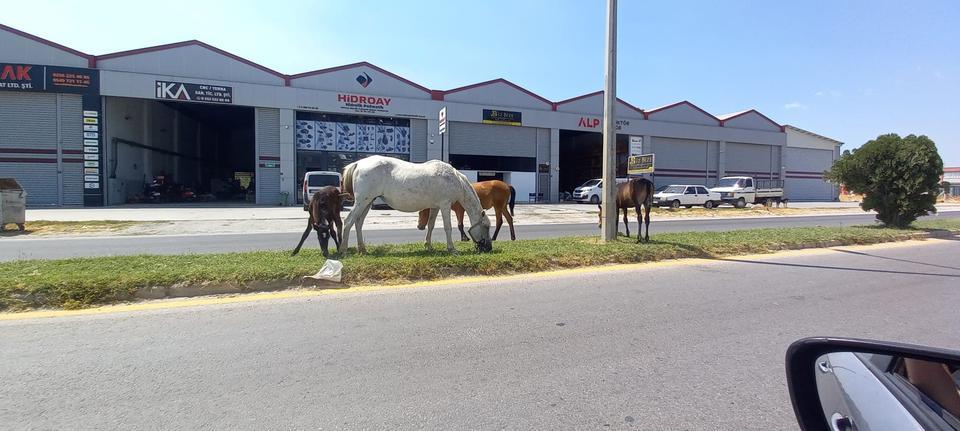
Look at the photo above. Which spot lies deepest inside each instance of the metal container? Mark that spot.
(13, 203)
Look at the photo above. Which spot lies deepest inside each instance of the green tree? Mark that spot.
(898, 177)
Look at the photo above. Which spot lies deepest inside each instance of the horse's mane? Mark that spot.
(347, 180)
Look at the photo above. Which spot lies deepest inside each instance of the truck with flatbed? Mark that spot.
(740, 191)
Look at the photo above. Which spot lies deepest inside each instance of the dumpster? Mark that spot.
(13, 203)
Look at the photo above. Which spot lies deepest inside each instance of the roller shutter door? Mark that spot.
(418, 141)
(268, 156)
(804, 174)
(682, 161)
(753, 160)
(492, 140)
(28, 144)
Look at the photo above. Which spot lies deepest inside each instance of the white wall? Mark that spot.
(193, 61)
(346, 80)
(18, 49)
(498, 93)
(524, 182)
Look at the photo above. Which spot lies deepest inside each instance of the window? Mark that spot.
(748, 182)
(702, 190)
(673, 189)
(691, 191)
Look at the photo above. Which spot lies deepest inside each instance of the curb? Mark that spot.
(210, 288)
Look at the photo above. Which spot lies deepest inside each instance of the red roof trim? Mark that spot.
(361, 64)
(46, 42)
(189, 43)
(584, 96)
(756, 112)
(500, 80)
(646, 114)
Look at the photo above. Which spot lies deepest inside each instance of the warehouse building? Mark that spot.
(194, 122)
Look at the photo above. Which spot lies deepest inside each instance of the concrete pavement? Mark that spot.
(671, 346)
(14, 248)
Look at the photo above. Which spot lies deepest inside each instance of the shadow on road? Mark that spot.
(837, 268)
(858, 253)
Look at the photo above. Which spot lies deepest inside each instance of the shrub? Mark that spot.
(898, 177)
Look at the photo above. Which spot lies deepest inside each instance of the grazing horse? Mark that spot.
(410, 187)
(634, 193)
(494, 194)
(324, 210)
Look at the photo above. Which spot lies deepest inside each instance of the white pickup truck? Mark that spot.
(740, 191)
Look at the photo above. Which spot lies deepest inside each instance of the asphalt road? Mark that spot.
(56, 248)
(697, 346)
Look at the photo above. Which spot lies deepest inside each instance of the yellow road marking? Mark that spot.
(303, 293)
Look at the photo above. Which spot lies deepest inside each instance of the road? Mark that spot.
(56, 248)
(663, 346)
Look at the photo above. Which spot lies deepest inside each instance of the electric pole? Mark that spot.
(609, 176)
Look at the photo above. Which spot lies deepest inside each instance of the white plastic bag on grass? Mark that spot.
(330, 271)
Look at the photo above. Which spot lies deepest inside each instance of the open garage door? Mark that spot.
(166, 152)
(581, 157)
(804, 177)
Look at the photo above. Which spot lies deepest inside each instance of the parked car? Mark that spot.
(676, 195)
(851, 384)
(591, 191)
(313, 180)
(740, 191)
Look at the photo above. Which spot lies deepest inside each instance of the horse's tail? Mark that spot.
(648, 189)
(346, 185)
(513, 198)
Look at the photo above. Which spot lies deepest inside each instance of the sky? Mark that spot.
(849, 70)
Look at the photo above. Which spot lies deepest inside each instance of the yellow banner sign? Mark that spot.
(641, 164)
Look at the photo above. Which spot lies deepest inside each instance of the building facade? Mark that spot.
(101, 129)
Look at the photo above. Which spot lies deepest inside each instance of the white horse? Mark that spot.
(411, 187)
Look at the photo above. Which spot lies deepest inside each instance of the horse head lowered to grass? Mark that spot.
(411, 187)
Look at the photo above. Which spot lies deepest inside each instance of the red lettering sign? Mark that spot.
(589, 122)
(365, 100)
(21, 73)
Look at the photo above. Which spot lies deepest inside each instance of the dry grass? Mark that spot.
(42, 227)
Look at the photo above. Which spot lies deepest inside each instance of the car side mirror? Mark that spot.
(852, 384)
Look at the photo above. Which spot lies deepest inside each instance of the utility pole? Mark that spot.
(609, 176)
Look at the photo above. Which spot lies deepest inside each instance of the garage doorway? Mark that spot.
(581, 157)
(179, 152)
(488, 176)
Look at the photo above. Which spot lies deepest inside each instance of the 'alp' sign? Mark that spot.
(188, 92)
(593, 123)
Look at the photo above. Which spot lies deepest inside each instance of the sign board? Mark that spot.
(188, 92)
(496, 116)
(49, 79)
(442, 121)
(640, 164)
(636, 145)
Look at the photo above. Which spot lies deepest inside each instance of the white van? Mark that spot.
(313, 180)
(592, 191)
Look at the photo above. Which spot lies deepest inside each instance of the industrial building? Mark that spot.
(81, 129)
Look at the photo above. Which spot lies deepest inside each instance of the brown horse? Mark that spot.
(324, 209)
(634, 193)
(494, 194)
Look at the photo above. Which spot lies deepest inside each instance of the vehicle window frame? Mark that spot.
(908, 395)
(747, 182)
(690, 191)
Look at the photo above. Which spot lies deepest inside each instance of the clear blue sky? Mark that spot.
(849, 70)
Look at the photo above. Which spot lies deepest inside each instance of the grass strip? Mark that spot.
(83, 282)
